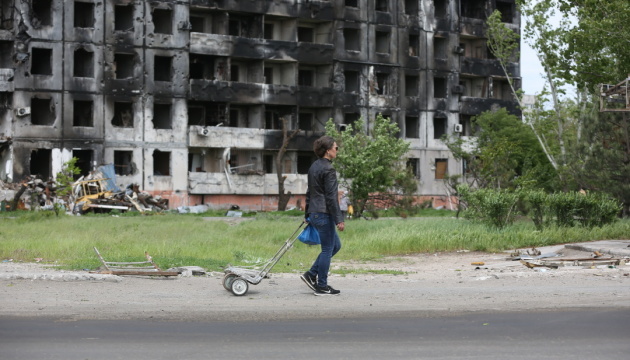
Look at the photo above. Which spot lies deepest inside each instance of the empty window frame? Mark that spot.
(440, 48)
(162, 68)
(473, 9)
(439, 127)
(467, 125)
(441, 168)
(84, 162)
(414, 45)
(439, 87)
(304, 162)
(6, 54)
(41, 61)
(207, 113)
(161, 163)
(207, 67)
(274, 115)
(123, 17)
(42, 12)
(440, 8)
(83, 113)
(162, 21)
(413, 166)
(382, 85)
(411, 85)
(40, 163)
(162, 118)
(83, 14)
(123, 114)
(352, 39)
(268, 162)
(280, 73)
(412, 127)
(42, 112)
(305, 34)
(239, 115)
(382, 39)
(351, 81)
(349, 119)
(306, 77)
(507, 11)
(501, 90)
(305, 121)
(411, 7)
(123, 162)
(351, 3)
(245, 26)
(381, 5)
(124, 65)
(83, 63)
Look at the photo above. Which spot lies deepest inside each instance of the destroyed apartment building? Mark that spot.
(185, 98)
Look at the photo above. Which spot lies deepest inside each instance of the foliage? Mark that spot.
(65, 178)
(537, 206)
(370, 162)
(493, 207)
(589, 210)
(504, 155)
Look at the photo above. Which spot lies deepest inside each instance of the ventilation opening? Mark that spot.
(441, 168)
(414, 45)
(305, 121)
(161, 163)
(40, 164)
(83, 113)
(352, 81)
(411, 7)
(163, 21)
(382, 42)
(41, 61)
(42, 12)
(124, 66)
(162, 116)
(162, 68)
(42, 112)
(83, 63)
(123, 18)
(83, 15)
(6, 54)
(352, 39)
(412, 127)
(413, 166)
(411, 86)
(84, 162)
(123, 163)
(439, 87)
(305, 34)
(439, 127)
(123, 114)
(304, 162)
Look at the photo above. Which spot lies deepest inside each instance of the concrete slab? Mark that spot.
(618, 248)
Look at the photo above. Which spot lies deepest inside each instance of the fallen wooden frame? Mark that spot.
(142, 268)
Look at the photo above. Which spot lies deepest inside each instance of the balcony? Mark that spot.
(226, 137)
(222, 183)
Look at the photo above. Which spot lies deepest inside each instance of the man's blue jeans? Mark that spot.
(331, 244)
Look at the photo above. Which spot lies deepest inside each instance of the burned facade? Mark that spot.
(185, 97)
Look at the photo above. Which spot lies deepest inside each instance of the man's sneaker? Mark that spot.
(310, 280)
(319, 291)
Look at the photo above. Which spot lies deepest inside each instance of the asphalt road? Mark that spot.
(574, 334)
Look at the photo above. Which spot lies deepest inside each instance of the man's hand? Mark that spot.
(341, 226)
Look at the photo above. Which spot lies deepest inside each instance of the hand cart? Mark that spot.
(236, 279)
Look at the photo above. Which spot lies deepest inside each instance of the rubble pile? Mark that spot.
(96, 192)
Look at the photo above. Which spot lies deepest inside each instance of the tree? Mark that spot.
(370, 162)
(283, 197)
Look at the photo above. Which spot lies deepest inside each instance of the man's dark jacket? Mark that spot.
(321, 195)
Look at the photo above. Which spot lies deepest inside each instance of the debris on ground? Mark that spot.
(140, 268)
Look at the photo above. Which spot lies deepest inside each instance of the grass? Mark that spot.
(183, 240)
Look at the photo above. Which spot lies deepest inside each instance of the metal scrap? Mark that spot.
(142, 268)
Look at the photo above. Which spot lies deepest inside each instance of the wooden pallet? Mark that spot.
(142, 268)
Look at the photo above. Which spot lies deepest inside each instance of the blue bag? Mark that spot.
(310, 235)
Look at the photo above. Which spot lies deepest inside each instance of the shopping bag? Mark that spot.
(309, 236)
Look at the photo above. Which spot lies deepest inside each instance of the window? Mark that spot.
(412, 127)
(506, 10)
(382, 42)
(161, 163)
(304, 161)
(441, 168)
(413, 164)
(352, 39)
(83, 63)
(439, 87)
(268, 161)
(208, 67)
(123, 114)
(411, 7)
(305, 34)
(440, 8)
(6, 54)
(414, 45)
(162, 116)
(381, 5)
(268, 75)
(41, 61)
(162, 21)
(305, 121)
(352, 3)
(274, 115)
(42, 11)
(42, 112)
(382, 84)
(40, 163)
(83, 113)
(123, 17)
(268, 31)
(411, 85)
(352, 81)
(83, 15)
(439, 127)
(305, 77)
(440, 48)
(123, 164)
(84, 162)
(162, 68)
(123, 66)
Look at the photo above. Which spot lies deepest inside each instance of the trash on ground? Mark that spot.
(142, 268)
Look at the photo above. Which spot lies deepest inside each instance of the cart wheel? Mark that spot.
(227, 281)
(239, 287)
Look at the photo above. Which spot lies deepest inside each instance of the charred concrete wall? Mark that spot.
(186, 98)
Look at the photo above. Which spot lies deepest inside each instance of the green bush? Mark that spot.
(536, 202)
(496, 208)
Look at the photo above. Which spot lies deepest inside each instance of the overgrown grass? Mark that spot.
(176, 240)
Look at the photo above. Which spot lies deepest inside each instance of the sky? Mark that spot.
(531, 70)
